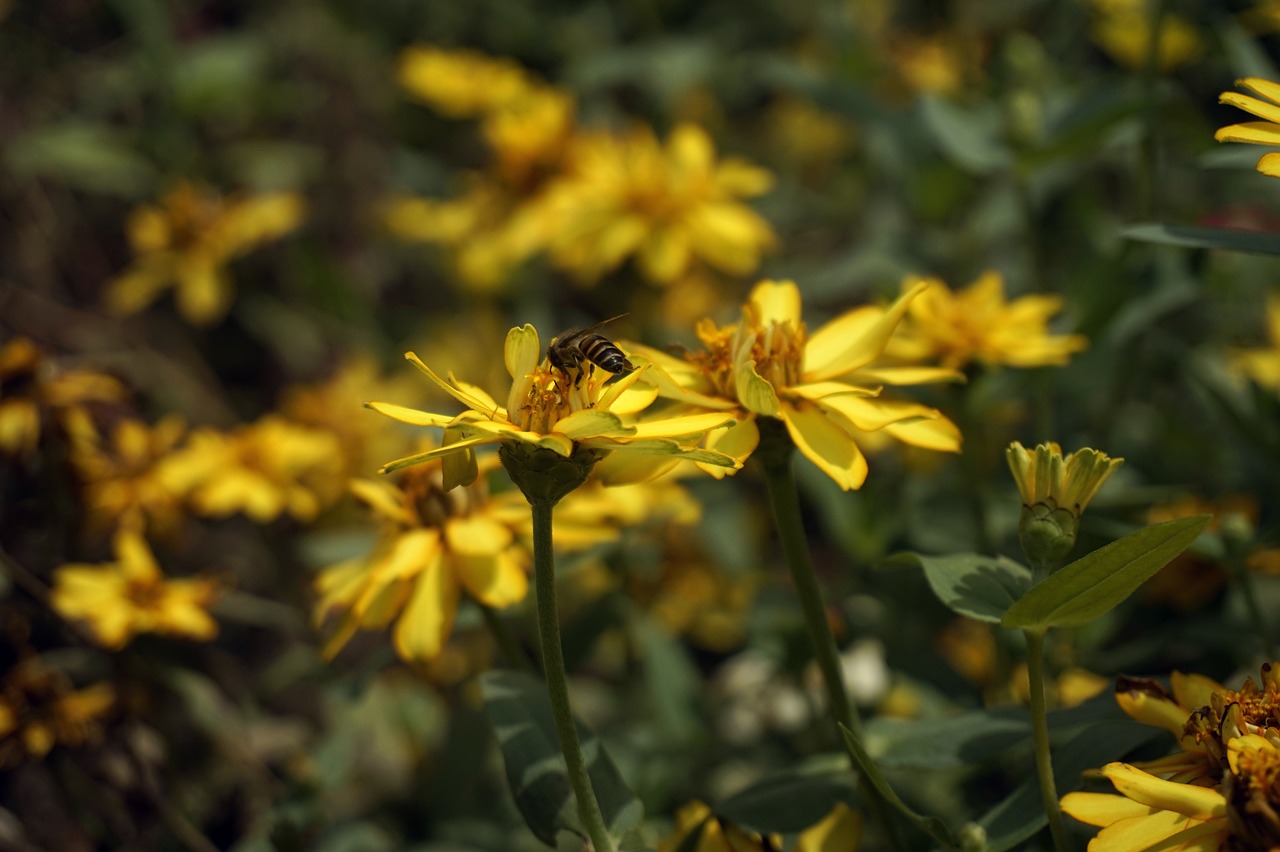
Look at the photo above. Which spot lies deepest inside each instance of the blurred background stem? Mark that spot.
(1040, 730)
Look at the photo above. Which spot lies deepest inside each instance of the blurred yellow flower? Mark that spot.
(979, 324)
(39, 709)
(434, 544)
(933, 64)
(1265, 132)
(34, 387)
(118, 600)
(1122, 28)
(124, 477)
(838, 831)
(1262, 365)
(461, 83)
(824, 388)
(668, 205)
(576, 411)
(186, 241)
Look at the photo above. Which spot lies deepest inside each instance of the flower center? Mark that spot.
(776, 348)
(1253, 800)
(423, 487)
(553, 394)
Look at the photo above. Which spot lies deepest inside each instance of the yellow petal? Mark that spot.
(203, 293)
(383, 497)
(839, 831)
(627, 469)
(1269, 164)
(825, 444)
(522, 351)
(754, 391)
(138, 286)
(831, 361)
(1261, 86)
(437, 452)
(1139, 833)
(589, 423)
(928, 433)
(1193, 691)
(685, 426)
(483, 405)
(1102, 809)
(412, 416)
(495, 579)
(1262, 109)
(1155, 710)
(136, 561)
(777, 301)
(1200, 803)
(664, 255)
(1253, 132)
(428, 616)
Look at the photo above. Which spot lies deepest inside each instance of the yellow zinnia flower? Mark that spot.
(186, 242)
(264, 469)
(579, 411)
(979, 324)
(118, 600)
(1262, 365)
(39, 709)
(668, 205)
(34, 387)
(1265, 132)
(824, 388)
(123, 477)
(1055, 491)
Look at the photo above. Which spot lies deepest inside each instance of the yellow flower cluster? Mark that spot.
(1221, 791)
(39, 709)
(187, 240)
(589, 199)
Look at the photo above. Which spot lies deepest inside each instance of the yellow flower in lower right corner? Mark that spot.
(1265, 132)
(118, 600)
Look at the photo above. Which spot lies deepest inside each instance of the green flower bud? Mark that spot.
(1047, 534)
(543, 475)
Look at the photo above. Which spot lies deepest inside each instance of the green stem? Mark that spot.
(557, 682)
(1040, 728)
(775, 456)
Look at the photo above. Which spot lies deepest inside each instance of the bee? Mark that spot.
(568, 351)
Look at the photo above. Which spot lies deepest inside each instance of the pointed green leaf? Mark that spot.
(517, 706)
(932, 826)
(788, 801)
(1094, 584)
(980, 587)
(1187, 236)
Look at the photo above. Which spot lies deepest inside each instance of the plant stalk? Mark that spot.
(557, 683)
(1040, 729)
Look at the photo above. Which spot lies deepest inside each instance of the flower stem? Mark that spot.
(557, 682)
(775, 456)
(1040, 729)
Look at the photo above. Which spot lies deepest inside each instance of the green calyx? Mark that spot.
(1047, 533)
(543, 475)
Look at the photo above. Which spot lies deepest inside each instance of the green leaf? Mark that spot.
(962, 740)
(1094, 584)
(1227, 239)
(970, 138)
(517, 706)
(671, 680)
(787, 802)
(980, 587)
(87, 156)
(932, 826)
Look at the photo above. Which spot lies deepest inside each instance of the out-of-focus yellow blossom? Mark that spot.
(1265, 132)
(39, 709)
(264, 469)
(1222, 791)
(124, 477)
(1262, 365)
(461, 83)
(803, 133)
(838, 831)
(530, 137)
(186, 242)
(979, 324)
(578, 412)
(334, 406)
(824, 388)
(935, 64)
(34, 387)
(669, 205)
(1122, 28)
(118, 600)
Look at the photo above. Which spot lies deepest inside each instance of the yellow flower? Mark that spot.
(461, 83)
(186, 242)
(118, 600)
(824, 388)
(838, 831)
(34, 387)
(123, 478)
(979, 324)
(1265, 132)
(264, 469)
(1055, 491)
(566, 413)
(1240, 812)
(1123, 30)
(436, 544)
(39, 709)
(668, 205)
(934, 64)
(1262, 365)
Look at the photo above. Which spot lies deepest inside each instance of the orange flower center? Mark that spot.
(776, 348)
